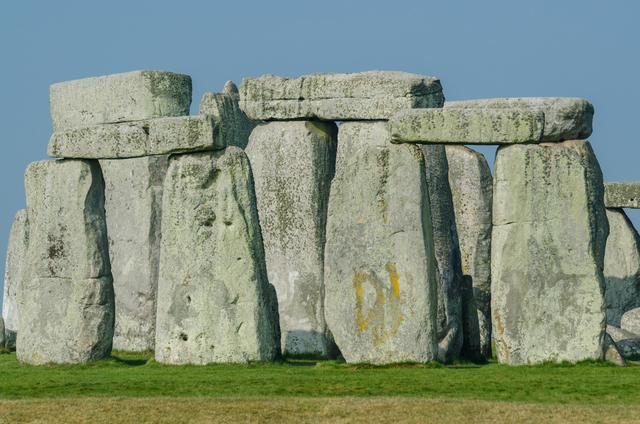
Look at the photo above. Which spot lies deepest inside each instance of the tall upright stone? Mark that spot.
(133, 207)
(472, 192)
(547, 253)
(66, 301)
(380, 269)
(293, 164)
(214, 300)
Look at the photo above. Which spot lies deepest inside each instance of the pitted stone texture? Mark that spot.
(628, 343)
(630, 321)
(547, 253)
(133, 207)
(611, 352)
(380, 269)
(467, 126)
(142, 138)
(14, 274)
(565, 118)
(472, 193)
(130, 96)
(66, 301)
(622, 195)
(293, 164)
(234, 127)
(621, 267)
(447, 254)
(214, 300)
(339, 97)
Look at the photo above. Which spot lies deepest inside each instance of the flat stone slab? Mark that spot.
(467, 126)
(142, 138)
(130, 96)
(565, 118)
(622, 194)
(369, 95)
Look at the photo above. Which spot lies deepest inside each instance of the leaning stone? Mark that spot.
(143, 138)
(293, 164)
(611, 352)
(133, 207)
(467, 126)
(547, 253)
(14, 271)
(233, 125)
(630, 321)
(622, 195)
(628, 343)
(339, 97)
(66, 301)
(130, 96)
(380, 269)
(565, 118)
(472, 193)
(215, 303)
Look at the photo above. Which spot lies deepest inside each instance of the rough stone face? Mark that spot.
(621, 267)
(467, 126)
(2, 334)
(214, 300)
(472, 193)
(630, 321)
(133, 207)
(547, 253)
(611, 352)
(130, 96)
(622, 195)
(142, 138)
(234, 126)
(293, 164)
(628, 343)
(565, 118)
(14, 275)
(66, 301)
(380, 269)
(339, 97)
(447, 254)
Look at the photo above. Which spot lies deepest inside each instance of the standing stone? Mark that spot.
(2, 334)
(14, 275)
(214, 300)
(630, 321)
(472, 192)
(547, 256)
(133, 207)
(380, 269)
(447, 254)
(66, 301)
(621, 267)
(293, 164)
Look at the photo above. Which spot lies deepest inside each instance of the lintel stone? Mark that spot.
(622, 195)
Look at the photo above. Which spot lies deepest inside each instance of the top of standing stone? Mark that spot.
(371, 95)
(130, 96)
(622, 195)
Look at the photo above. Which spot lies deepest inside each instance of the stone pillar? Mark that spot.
(14, 275)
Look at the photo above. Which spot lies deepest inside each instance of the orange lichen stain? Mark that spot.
(393, 278)
(361, 321)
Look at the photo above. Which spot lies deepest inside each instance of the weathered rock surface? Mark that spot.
(133, 207)
(214, 300)
(467, 126)
(66, 301)
(472, 193)
(630, 321)
(622, 195)
(380, 269)
(447, 254)
(611, 352)
(142, 138)
(340, 97)
(628, 343)
(130, 96)
(293, 164)
(14, 274)
(547, 253)
(621, 267)
(565, 118)
(2, 334)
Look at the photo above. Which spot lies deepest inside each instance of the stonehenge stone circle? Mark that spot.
(622, 195)
(14, 274)
(293, 164)
(630, 321)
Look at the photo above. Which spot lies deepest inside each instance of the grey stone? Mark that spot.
(142, 138)
(130, 96)
(611, 352)
(233, 125)
(630, 321)
(14, 274)
(66, 301)
(214, 300)
(380, 269)
(621, 267)
(467, 126)
(230, 87)
(472, 193)
(565, 118)
(339, 97)
(133, 207)
(622, 195)
(547, 253)
(628, 343)
(293, 164)
(2, 334)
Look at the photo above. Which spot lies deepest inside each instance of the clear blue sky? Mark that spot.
(479, 49)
